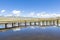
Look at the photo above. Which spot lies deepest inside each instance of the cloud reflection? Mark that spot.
(16, 29)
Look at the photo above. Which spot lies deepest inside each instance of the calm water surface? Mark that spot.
(32, 33)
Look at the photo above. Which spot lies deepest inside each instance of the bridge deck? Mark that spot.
(13, 19)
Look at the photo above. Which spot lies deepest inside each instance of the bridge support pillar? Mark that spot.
(12, 24)
(53, 23)
(46, 23)
(57, 22)
(30, 23)
(6, 25)
(25, 23)
(38, 23)
(18, 24)
(35, 23)
(41, 23)
(50, 23)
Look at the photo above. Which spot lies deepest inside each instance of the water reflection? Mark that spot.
(32, 33)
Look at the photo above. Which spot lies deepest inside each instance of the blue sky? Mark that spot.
(34, 8)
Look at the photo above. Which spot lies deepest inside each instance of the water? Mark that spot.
(32, 33)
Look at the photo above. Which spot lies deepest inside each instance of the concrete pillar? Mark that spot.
(50, 22)
(12, 25)
(57, 22)
(38, 23)
(41, 23)
(18, 24)
(46, 23)
(53, 22)
(5, 25)
(25, 23)
(30, 23)
(35, 23)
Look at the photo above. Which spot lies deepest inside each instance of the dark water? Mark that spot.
(32, 33)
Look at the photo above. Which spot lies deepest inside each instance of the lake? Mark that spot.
(32, 33)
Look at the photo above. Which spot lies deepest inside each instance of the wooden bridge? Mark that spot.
(28, 21)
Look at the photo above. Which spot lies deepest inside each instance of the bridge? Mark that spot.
(28, 21)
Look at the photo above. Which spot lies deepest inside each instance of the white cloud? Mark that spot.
(47, 15)
(16, 12)
(31, 14)
(2, 11)
(12, 13)
(8, 15)
(43, 15)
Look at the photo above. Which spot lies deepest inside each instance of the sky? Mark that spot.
(30, 8)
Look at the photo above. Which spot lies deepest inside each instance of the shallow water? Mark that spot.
(32, 33)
